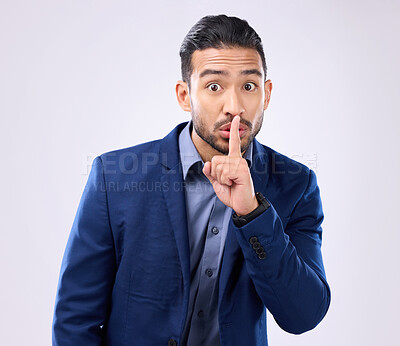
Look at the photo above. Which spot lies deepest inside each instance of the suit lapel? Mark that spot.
(174, 195)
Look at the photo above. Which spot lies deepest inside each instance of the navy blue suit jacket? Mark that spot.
(125, 273)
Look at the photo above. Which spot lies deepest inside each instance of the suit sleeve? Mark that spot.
(291, 279)
(87, 270)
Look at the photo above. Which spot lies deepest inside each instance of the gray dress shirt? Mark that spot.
(208, 220)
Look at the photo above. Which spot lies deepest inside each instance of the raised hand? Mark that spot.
(230, 175)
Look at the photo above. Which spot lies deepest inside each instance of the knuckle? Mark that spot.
(215, 160)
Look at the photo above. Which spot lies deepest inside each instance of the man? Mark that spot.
(186, 240)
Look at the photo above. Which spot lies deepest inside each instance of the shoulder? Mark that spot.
(281, 166)
(135, 152)
(287, 181)
(139, 149)
(127, 162)
(284, 174)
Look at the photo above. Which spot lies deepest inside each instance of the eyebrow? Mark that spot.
(225, 73)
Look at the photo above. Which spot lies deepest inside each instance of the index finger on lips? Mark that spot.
(234, 138)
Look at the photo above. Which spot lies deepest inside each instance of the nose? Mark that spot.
(233, 104)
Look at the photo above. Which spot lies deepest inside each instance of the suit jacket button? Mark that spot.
(253, 240)
(256, 245)
(172, 342)
(262, 255)
(259, 250)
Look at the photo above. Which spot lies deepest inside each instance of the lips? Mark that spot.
(225, 131)
(227, 127)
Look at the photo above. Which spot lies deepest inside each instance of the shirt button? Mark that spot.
(200, 313)
(209, 272)
(215, 230)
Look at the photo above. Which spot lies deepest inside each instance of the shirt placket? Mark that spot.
(210, 264)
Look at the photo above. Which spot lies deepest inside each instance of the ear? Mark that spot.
(182, 94)
(267, 89)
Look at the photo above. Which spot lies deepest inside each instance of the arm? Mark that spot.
(291, 279)
(87, 270)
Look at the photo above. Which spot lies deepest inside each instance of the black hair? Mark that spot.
(218, 31)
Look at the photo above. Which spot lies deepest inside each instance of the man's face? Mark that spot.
(224, 83)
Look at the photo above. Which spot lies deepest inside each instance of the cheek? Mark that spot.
(259, 105)
(257, 102)
(254, 109)
(208, 105)
(256, 112)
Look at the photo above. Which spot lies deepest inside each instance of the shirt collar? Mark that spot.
(190, 156)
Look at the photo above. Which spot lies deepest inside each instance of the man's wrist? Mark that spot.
(255, 205)
(242, 220)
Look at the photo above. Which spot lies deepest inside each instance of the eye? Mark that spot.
(214, 87)
(248, 85)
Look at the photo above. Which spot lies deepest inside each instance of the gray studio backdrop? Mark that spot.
(79, 78)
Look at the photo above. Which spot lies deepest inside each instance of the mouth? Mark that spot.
(226, 129)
